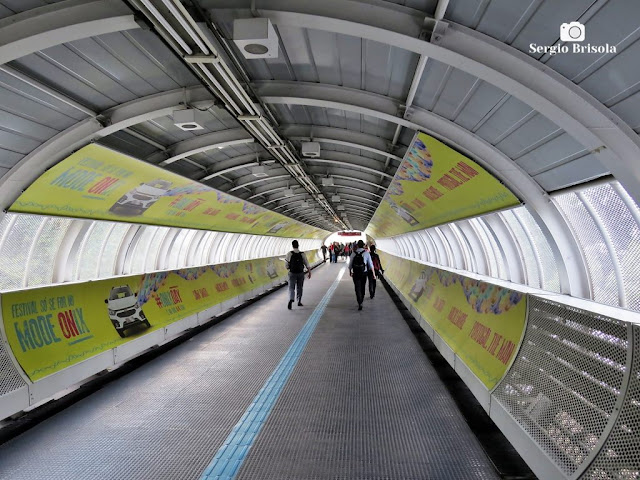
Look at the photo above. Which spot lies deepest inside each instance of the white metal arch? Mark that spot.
(566, 249)
(555, 97)
(349, 165)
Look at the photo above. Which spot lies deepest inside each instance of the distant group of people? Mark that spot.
(335, 251)
(364, 264)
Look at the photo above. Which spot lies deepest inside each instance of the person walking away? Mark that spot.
(376, 272)
(324, 253)
(296, 262)
(347, 251)
(359, 265)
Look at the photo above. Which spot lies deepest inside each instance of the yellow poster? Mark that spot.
(481, 322)
(434, 185)
(51, 328)
(98, 183)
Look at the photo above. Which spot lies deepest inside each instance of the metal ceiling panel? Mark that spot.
(184, 168)
(544, 26)
(565, 175)
(433, 81)
(110, 69)
(11, 7)
(466, 12)
(46, 69)
(504, 120)
(132, 58)
(388, 70)
(5, 12)
(537, 131)
(158, 53)
(504, 17)
(621, 13)
(617, 79)
(296, 43)
(482, 101)
(350, 49)
(325, 56)
(559, 150)
(125, 143)
(629, 110)
(35, 106)
(457, 91)
(107, 70)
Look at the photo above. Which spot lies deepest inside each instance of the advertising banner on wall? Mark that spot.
(433, 185)
(98, 183)
(482, 323)
(52, 328)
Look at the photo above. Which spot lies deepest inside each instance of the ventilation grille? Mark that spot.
(564, 384)
(10, 379)
(620, 456)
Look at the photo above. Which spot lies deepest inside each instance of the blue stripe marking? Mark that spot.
(229, 458)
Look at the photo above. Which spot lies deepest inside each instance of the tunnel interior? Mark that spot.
(159, 157)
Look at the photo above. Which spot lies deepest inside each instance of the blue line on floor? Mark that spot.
(235, 448)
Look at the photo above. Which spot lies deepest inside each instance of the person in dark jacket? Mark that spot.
(296, 262)
(376, 272)
(359, 266)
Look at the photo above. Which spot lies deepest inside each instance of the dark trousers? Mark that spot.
(372, 284)
(360, 283)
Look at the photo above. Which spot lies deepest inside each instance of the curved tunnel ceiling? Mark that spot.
(360, 81)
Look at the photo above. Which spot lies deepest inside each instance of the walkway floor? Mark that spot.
(362, 402)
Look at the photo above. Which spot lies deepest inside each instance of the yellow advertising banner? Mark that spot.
(98, 183)
(433, 185)
(51, 328)
(482, 323)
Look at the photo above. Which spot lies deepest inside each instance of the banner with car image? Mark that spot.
(54, 327)
(98, 183)
(482, 323)
(435, 184)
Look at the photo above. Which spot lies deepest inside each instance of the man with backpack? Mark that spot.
(360, 265)
(324, 252)
(296, 262)
(376, 272)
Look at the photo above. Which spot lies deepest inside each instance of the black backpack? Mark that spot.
(296, 264)
(358, 265)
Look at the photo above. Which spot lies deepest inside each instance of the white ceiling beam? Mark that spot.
(339, 136)
(44, 27)
(348, 144)
(259, 180)
(359, 180)
(340, 163)
(234, 168)
(203, 143)
(347, 187)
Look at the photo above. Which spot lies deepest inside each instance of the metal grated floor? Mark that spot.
(363, 402)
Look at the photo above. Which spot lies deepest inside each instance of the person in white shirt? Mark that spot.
(360, 265)
(296, 262)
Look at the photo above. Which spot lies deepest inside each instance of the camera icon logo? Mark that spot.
(572, 32)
